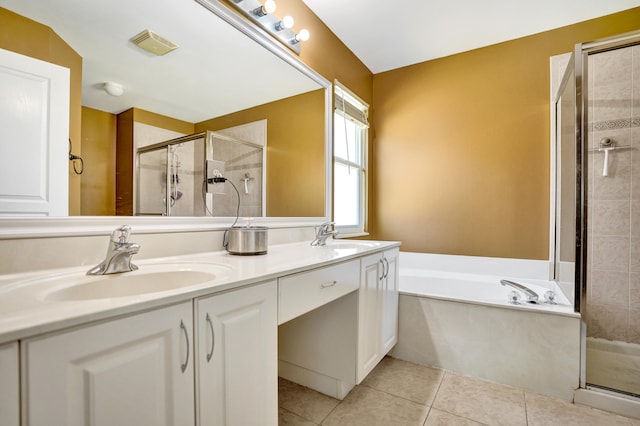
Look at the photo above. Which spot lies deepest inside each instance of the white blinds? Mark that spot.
(350, 106)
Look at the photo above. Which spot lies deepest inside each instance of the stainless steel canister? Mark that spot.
(246, 240)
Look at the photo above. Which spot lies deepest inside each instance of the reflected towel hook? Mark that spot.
(74, 158)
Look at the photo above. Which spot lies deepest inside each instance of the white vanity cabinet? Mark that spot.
(9, 385)
(237, 357)
(377, 309)
(137, 370)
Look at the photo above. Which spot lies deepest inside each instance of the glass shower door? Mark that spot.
(613, 247)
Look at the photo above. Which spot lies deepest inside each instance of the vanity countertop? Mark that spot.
(25, 312)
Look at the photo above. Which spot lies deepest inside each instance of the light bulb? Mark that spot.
(269, 6)
(287, 22)
(303, 35)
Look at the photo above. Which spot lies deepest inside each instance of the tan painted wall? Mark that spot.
(27, 37)
(461, 148)
(98, 188)
(295, 170)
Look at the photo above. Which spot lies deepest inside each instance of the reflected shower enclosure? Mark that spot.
(171, 177)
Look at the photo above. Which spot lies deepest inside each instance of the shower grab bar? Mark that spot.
(612, 148)
(607, 145)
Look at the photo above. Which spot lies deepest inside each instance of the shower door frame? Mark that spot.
(581, 55)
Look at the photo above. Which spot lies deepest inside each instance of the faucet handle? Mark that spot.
(121, 235)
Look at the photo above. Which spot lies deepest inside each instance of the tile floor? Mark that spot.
(401, 393)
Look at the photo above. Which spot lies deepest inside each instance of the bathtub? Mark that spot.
(454, 315)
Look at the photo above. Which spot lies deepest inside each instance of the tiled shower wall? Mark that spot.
(613, 294)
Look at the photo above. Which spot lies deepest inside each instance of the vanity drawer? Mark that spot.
(303, 292)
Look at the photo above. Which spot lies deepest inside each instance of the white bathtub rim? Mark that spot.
(562, 308)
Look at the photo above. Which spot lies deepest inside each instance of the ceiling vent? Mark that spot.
(152, 42)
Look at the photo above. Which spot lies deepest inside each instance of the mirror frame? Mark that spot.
(14, 227)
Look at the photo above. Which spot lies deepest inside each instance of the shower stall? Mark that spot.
(597, 241)
(174, 177)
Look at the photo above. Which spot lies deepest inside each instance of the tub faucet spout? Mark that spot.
(532, 296)
(119, 253)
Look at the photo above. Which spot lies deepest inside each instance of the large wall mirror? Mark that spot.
(225, 77)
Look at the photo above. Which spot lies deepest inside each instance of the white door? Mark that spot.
(132, 371)
(34, 136)
(237, 368)
(369, 317)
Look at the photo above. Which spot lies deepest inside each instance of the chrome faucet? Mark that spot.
(532, 296)
(323, 232)
(119, 254)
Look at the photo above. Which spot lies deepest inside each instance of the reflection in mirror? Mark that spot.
(177, 177)
(217, 79)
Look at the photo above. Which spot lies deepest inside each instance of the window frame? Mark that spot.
(343, 93)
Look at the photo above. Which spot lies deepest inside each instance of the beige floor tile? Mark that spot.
(545, 411)
(304, 402)
(482, 401)
(414, 382)
(440, 418)
(287, 418)
(365, 406)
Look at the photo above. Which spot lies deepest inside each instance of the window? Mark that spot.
(350, 131)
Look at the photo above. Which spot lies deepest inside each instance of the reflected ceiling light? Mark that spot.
(286, 23)
(269, 6)
(114, 89)
(303, 35)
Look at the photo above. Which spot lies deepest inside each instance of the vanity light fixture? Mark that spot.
(262, 14)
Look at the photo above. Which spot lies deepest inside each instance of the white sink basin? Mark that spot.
(152, 278)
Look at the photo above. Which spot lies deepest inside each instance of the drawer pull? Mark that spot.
(331, 284)
(183, 367)
(213, 338)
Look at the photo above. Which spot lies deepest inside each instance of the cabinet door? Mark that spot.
(9, 385)
(390, 300)
(369, 318)
(131, 371)
(237, 357)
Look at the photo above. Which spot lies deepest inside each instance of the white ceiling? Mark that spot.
(215, 71)
(386, 35)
